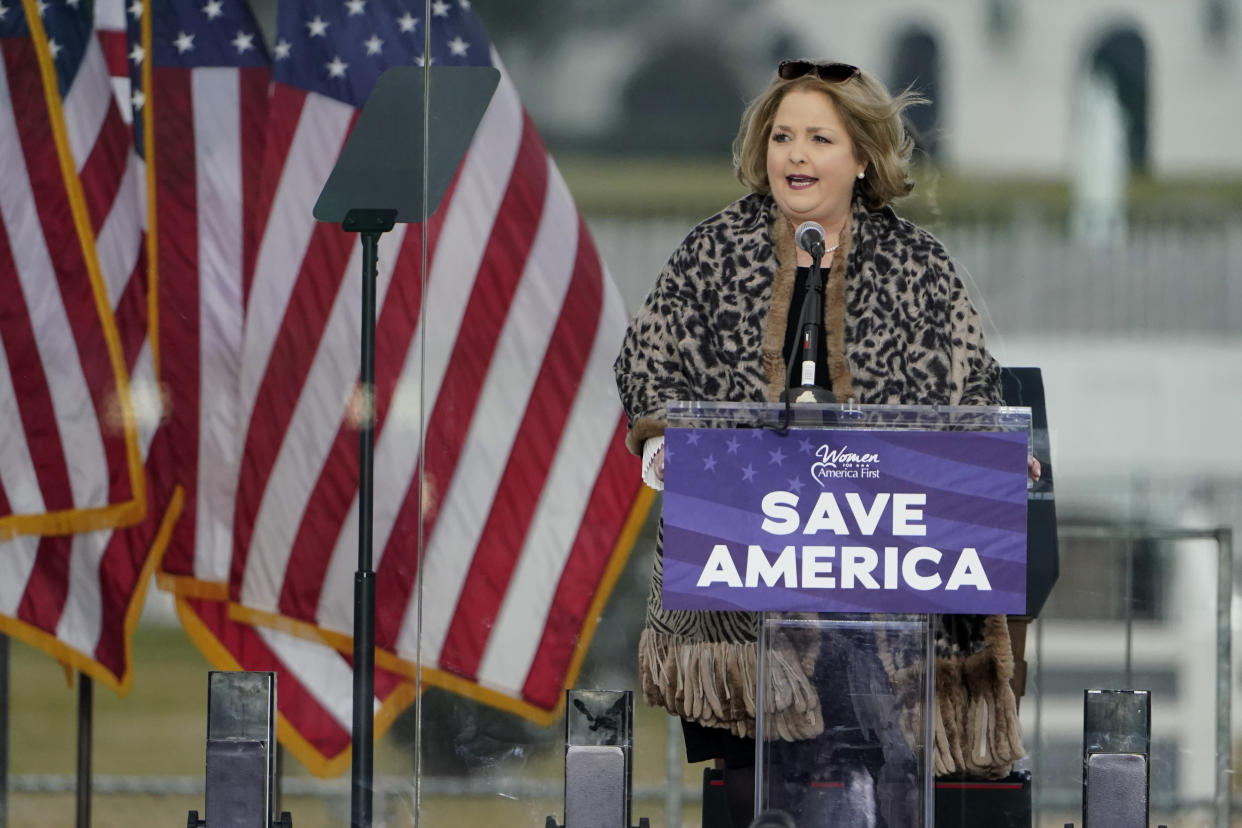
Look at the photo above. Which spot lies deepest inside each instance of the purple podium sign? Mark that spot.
(845, 520)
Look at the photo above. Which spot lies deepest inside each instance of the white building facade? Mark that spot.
(1005, 73)
(1009, 71)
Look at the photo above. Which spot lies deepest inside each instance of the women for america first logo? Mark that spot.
(841, 462)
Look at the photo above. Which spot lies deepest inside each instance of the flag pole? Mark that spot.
(4, 730)
(371, 224)
(86, 716)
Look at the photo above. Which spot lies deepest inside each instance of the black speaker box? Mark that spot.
(1025, 386)
(1004, 803)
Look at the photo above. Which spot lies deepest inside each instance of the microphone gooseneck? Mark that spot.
(809, 236)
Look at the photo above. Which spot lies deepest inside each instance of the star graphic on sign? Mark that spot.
(777, 456)
(317, 27)
(374, 45)
(137, 100)
(137, 53)
(244, 42)
(407, 22)
(213, 9)
(54, 47)
(184, 43)
(806, 445)
(795, 484)
(440, 8)
(336, 67)
(748, 473)
(356, 6)
(283, 48)
(733, 445)
(709, 463)
(458, 46)
(692, 438)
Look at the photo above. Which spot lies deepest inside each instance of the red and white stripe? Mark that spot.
(65, 448)
(71, 454)
(110, 29)
(206, 155)
(507, 359)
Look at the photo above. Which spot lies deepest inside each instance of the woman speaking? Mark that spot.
(825, 142)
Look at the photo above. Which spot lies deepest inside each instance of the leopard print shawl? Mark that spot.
(901, 330)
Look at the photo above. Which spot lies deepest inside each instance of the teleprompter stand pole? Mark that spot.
(372, 224)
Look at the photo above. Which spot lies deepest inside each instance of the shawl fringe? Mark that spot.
(976, 727)
(977, 733)
(714, 682)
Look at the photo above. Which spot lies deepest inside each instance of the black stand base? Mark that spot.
(550, 822)
(715, 801)
(192, 820)
(1004, 803)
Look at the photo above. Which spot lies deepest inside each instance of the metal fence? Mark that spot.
(1160, 277)
(1139, 607)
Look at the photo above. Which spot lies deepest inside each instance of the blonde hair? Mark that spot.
(871, 116)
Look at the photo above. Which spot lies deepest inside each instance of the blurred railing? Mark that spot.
(1139, 607)
(1160, 276)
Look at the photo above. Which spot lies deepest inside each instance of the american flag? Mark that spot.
(71, 246)
(504, 350)
(77, 378)
(204, 111)
(512, 519)
(196, 80)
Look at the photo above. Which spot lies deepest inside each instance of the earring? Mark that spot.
(862, 174)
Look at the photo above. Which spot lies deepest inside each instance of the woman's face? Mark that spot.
(811, 163)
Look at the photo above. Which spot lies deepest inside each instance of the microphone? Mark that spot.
(810, 237)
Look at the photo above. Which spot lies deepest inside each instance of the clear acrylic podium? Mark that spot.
(873, 762)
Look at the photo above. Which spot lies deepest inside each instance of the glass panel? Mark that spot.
(689, 414)
(490, 733)
(640, 125)
(1133, 610)
(871, 765)
(487, 750)
(528, 496)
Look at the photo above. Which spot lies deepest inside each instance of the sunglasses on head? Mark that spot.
(829, 72)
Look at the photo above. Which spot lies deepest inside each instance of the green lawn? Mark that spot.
(159, 729)
(691, 187)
